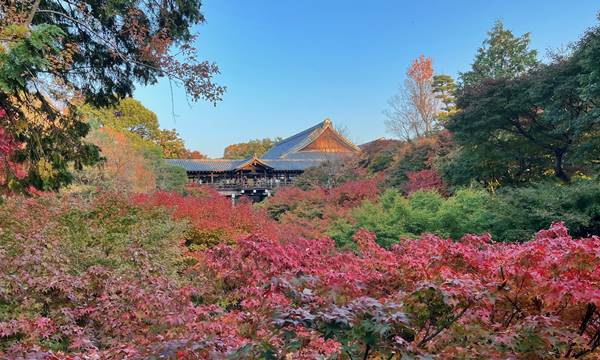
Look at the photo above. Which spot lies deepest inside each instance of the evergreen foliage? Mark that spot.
(501, 56)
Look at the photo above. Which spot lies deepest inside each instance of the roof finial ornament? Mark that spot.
(327, 122)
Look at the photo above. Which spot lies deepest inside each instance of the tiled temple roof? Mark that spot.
(206, 165)
(292, 165)
(286, 155)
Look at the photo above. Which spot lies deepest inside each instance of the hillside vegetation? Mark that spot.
(474, 234)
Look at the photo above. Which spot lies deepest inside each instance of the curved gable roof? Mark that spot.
(252, 161)
(301, 140)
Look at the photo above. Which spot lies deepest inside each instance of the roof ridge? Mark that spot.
(303, 132)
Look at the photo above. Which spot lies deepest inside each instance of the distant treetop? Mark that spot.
(502, 55)
(256, 147)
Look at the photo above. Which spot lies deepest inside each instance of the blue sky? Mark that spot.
(290, 64)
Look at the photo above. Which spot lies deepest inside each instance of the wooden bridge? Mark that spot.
(255, 190)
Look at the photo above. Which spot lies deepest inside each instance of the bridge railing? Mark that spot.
(251, 184)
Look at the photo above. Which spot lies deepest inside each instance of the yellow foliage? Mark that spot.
(581, 176)
(45, 169)
(202, 239)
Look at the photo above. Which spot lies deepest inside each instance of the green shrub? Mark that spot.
(513, 214)
(395, 216)
(424, 205)
(381, 161)
(170, 177)
(465, 212)
(386, 218)
(520, 212)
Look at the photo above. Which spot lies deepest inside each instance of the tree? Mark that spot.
(129, 165)
(444, 89)
(502, 55)
(55, 52)
(256, 147)
(413, 111)
(541, 122)
(171, 144)
(194, 154)
(415, 156)
(128, 115)
(129, 129)
(125, 168)
(49, 136)
(131, 117)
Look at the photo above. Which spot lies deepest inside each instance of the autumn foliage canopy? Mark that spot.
(111, 276)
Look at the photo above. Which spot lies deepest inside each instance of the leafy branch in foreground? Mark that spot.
(55, 54)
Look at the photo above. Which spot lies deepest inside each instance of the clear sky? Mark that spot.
(288, 64)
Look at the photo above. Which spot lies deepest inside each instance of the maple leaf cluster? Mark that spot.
(109, 276)
(212, 217)
(9, 169)
(427, 179)
(310, 213)
(421, 69)
(469, 298)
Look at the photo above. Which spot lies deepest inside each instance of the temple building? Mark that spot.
(279, 166)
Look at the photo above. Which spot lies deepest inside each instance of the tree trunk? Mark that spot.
(558, 166)
(367, 349)
(34, 9)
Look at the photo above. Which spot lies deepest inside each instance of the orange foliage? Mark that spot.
(421, 69)
(125, 166)
(255, 147)
(195, 154)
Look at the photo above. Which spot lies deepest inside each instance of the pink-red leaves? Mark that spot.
(267, 291)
